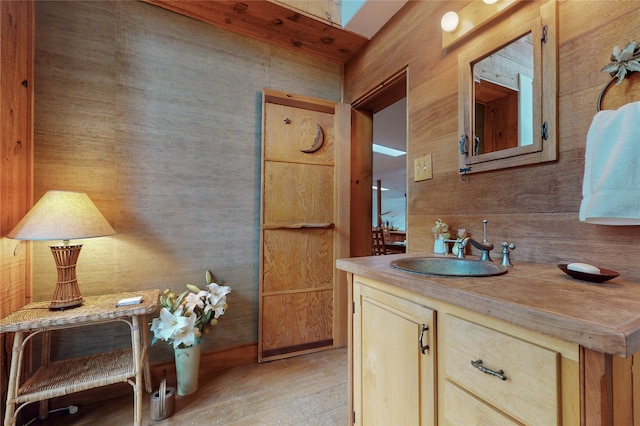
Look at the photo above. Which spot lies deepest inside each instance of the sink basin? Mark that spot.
(449, 267)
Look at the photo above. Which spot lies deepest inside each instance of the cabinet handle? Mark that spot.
(423, 348)
(499, 374)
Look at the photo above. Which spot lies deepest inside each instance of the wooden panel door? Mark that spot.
(393, 360)
(298, 226)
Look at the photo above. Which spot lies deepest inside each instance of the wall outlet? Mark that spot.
(422, 168)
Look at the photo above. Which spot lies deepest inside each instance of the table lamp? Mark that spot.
(63, 215)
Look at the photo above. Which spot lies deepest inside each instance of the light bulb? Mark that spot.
(489, 1)
(449, 21)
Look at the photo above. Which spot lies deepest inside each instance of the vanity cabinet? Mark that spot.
(393, 379)
(493, 377)
(476, 370)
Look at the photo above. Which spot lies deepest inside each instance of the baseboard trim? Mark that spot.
(210, 362)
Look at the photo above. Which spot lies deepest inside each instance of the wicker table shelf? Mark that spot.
(67, 376)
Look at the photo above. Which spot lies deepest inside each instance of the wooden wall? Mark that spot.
(16, 153)
(535, 207)
(158, 118)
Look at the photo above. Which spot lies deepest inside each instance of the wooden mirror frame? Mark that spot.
(484, 44)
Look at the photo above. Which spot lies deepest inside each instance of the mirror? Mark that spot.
(507, 97)
(503, 98)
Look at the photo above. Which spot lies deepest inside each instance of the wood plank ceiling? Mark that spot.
(273, 23)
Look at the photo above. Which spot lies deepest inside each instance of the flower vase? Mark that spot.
(439, 246)
(187, 368)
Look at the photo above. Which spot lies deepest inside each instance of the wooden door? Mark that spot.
(298, 226)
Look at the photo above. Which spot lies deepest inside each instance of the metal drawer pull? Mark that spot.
(423, 348)
(499, 374)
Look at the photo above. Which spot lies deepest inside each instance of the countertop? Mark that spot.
(604, 317)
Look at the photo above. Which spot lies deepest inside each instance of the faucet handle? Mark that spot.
(484, 231)
(506, 250)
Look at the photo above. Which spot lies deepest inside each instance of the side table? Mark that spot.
(66, 376)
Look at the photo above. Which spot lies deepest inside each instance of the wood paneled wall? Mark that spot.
(16, 154)
(535, 207)
(16, 147)
(157, 116)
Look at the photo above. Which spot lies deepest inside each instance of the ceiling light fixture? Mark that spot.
(385, 150)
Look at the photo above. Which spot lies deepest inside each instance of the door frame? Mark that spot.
(383, 95)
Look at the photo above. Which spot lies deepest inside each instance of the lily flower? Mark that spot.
(184, 318)
(217, 293)
(194, 301)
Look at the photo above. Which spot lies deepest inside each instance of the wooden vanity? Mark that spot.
(533, 346)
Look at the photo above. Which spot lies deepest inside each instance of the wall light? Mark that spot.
(449, 21)
(470, 18)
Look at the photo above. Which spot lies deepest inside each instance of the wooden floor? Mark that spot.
(303, 390)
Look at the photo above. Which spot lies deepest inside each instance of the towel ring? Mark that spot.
(623, 63)
(604, 91)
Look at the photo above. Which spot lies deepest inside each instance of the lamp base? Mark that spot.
(67, 293)
(57, 305)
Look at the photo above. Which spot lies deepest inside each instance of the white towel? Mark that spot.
(611, 186)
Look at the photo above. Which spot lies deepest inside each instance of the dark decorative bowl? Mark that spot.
(604, 275)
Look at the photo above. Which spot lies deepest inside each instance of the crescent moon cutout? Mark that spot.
(318, 140)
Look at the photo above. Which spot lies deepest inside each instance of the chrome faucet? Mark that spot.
(485, 246)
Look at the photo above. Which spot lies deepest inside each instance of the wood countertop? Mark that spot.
(604, 317)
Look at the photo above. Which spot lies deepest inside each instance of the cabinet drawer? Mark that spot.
(529, 392)
(475, 412)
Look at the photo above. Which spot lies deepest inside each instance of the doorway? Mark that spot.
(386, 102)
(390, 166)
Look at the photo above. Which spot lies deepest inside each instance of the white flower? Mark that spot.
(194, 301)
(218, 293)
(175, 326)
(219, 310)
(184, 318)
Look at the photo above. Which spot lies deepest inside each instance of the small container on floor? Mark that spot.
(163, 401)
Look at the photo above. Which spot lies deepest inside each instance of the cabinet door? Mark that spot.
(393, 349)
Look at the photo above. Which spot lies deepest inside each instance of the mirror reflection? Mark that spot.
(503, 98)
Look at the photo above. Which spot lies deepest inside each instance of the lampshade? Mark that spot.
(62, 215)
